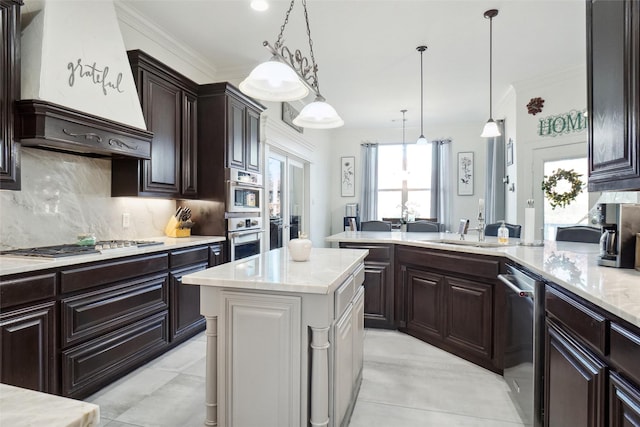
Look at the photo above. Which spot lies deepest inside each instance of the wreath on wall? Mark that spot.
(562, 199)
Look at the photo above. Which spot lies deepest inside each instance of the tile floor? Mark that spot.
(406, 383)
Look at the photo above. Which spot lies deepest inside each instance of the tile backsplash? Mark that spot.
(63, 195)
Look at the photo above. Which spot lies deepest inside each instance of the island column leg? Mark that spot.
(211, 390)
(319, 377)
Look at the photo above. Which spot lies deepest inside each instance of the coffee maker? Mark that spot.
(620, 223)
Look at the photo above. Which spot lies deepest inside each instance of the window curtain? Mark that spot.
(440, 181)
(369, 197)
(494, 188)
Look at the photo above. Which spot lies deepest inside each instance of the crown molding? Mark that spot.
(138, 22)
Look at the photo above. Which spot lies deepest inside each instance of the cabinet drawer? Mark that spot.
(100, 274)
(625, 351)
(476, 266)
(375, 251)
(90, 314)
(89, 366)
(579, 319)
(21, 290)
(188, 256)
(344, 295)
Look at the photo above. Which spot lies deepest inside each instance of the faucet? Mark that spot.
(479, 228)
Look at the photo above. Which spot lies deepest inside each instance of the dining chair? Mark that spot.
(423, 226)
(492, 229)
(375, 226)
(578, 233)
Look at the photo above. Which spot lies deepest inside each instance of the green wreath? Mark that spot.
(562, 199)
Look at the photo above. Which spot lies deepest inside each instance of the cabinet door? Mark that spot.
(378, 298)
(425, 299)
(468, 315)
(27, 348)
(236, 134)
(253, 141)
(358, 333)
(624, 402)
(574, 389)
(216, 255)
(9, 91)
(343, 365)
(185, 317)
(189, 146)
(613, 67)
(162, 106)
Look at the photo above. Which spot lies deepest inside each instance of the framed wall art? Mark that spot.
(288, 114)
(510, 152)
(347, 176)
(465, 173)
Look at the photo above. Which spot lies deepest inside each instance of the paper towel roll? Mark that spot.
(529, 225)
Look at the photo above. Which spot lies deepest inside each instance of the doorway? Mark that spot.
(545, 161)
(286, 202)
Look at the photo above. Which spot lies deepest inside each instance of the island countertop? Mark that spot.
(574, 266)
(274, 271)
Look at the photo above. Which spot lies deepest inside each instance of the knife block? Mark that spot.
(173, 229)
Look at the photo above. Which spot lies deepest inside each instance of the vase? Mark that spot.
(300, 248)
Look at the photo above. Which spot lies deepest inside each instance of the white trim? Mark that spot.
(278, 134)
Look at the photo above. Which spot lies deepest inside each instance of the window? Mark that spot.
(408, 186)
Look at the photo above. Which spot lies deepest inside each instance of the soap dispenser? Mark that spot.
(503, 234)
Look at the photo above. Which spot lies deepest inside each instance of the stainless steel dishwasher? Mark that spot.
(524, 332)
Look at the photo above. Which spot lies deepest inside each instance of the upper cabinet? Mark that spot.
(9, 91)
(613, 71)
(169, 104)
(228, 136)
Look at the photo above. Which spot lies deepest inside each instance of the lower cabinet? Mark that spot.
(27, 347)
(185, 307)
(444, 306)
(378, 284)
(591, 365)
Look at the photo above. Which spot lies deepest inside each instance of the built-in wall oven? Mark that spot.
(244, 191)
(523, 356)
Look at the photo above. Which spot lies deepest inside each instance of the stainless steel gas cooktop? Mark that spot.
(65, 250)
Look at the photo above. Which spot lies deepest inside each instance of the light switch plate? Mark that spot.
(126, 220)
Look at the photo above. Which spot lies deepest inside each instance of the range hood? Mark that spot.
(78, 92)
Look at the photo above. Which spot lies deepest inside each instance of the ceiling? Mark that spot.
(369, 68)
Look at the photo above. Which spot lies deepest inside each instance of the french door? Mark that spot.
(285, 193)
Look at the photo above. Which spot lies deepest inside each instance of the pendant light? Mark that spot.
(491, 127)
(421, 140)
(288, 76)
(404, 173)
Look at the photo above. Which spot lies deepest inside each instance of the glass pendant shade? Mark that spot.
(490, 129)
(422, 140)
(274, 81)
(318, 115)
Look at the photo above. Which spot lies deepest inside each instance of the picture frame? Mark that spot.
(289, 112)
(347, 176)
(509, 152)
(465, 173)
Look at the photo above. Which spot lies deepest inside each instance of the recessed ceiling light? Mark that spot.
(259, 5)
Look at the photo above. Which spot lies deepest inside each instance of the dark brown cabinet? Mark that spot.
(613, 94)
(228, 136)
(451, 300)
(624, 403)
(378, 284)
(9, 92)
(170, 107)
(575, 379)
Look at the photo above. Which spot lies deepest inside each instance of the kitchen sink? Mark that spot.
(471, 243)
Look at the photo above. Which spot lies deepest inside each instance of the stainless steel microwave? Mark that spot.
(244, 191)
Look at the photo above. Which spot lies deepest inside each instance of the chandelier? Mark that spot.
(288, 76)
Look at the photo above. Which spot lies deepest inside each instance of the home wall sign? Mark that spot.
(561, 124)
(99, 76)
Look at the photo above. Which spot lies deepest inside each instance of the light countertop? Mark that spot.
(274, 271)
(22, 407)
(10, 264)
(571, 265)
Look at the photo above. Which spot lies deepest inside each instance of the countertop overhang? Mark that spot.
(573, 266)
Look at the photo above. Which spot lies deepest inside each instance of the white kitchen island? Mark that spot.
(284, 338)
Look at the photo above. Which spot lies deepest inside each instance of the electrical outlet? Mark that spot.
(126, 220)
